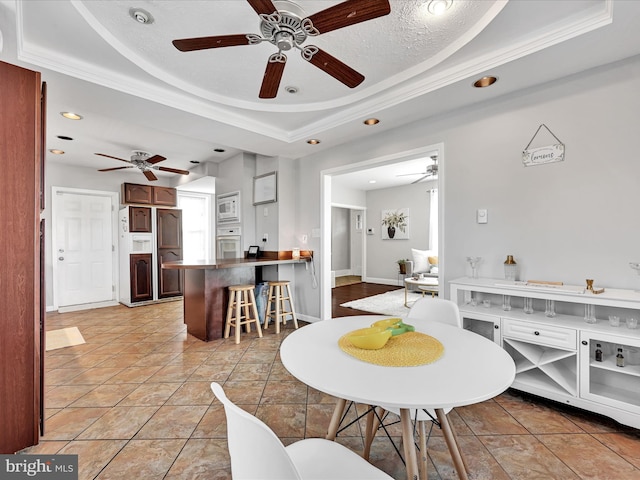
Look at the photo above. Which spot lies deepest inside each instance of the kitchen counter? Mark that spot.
(206, 282)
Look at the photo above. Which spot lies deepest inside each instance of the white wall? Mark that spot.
(382, 255)
(566, 221)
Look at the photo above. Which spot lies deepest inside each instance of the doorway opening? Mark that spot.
(333, 193)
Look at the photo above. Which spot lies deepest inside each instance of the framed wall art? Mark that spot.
(395, 224)
(265, 188)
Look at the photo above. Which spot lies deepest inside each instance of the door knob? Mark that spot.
(60, 258)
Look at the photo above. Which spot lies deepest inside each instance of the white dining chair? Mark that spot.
(258, 454)
(429, 310)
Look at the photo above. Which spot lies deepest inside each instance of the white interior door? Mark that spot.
(83, 248)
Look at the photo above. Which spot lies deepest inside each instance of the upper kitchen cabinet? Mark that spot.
(165, 196)
(134, 193)
(21, 236)
(149, 195)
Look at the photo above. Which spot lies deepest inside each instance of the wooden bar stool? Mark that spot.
(242, 310)
(280, 295)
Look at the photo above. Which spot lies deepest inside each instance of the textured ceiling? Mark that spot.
(136, 91)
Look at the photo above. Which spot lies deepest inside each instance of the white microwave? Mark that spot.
(228, 207)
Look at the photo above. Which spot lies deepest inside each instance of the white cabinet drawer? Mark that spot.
(542, 334)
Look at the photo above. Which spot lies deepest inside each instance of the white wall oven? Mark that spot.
(229, 243)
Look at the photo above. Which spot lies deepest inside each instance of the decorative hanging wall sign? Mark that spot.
(545, 154)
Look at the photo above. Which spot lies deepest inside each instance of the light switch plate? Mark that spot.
(482, 215)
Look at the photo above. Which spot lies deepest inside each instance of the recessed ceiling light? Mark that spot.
(373, 181)
(313, 141)
(55, 151)
(194, 161)
(485, 82)
(63, 137)
(219, 150)
(71, 115)
(438, 7)
(371, 121)
(291, 89)
(141, 16)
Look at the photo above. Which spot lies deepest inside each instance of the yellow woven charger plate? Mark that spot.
(407, 350)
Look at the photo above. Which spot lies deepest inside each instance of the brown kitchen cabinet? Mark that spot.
(169, 225)
(149, 195)
(134, 193)
(21, 239)
(141, 267)
(165, 196)
(140, 219)
(170, 282)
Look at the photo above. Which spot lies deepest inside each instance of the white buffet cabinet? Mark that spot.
(555, 356)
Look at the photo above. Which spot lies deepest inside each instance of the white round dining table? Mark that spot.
(471, 369)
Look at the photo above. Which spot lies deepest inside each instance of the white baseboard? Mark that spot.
(384, 281)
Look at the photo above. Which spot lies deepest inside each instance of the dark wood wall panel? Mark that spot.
(20, 167)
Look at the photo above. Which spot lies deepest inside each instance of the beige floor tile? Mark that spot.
(105, 395)
(93, 455)
(627, 445)
(212, 373)
(46, 447)
(95, 375)
(250, 371)
(589, 458)
(489, 418)
(192, 393)
(244, 392)
(70, 422)
(119, 423)
(143, 459)
(200, 459)
(134, 375)
(173, 422)
(149, 394)
(284, 420)
(284, 392)
(524, 457)
(64, 395)
(172, 373)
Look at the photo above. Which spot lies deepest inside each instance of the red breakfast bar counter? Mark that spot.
(205, 292)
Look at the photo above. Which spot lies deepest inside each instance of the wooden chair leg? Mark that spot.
(452, 444)
(227, 326)
(334, 424)
(254, 310)
(268, 314)
(293, 310)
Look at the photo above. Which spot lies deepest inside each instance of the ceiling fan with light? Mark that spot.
(145, 162)
(287, 27)
(430, 171)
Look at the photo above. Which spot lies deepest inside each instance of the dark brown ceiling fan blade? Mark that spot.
(156, 159)
(115, 158)
(173, 170)
(272, 75)
(349, 13)
(150, 175)
(203, 43)
(114, 168)
(262, 7)
(334, 67)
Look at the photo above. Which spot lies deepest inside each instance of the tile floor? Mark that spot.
(134, 403)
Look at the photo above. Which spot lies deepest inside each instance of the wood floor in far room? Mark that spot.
(346, 293)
